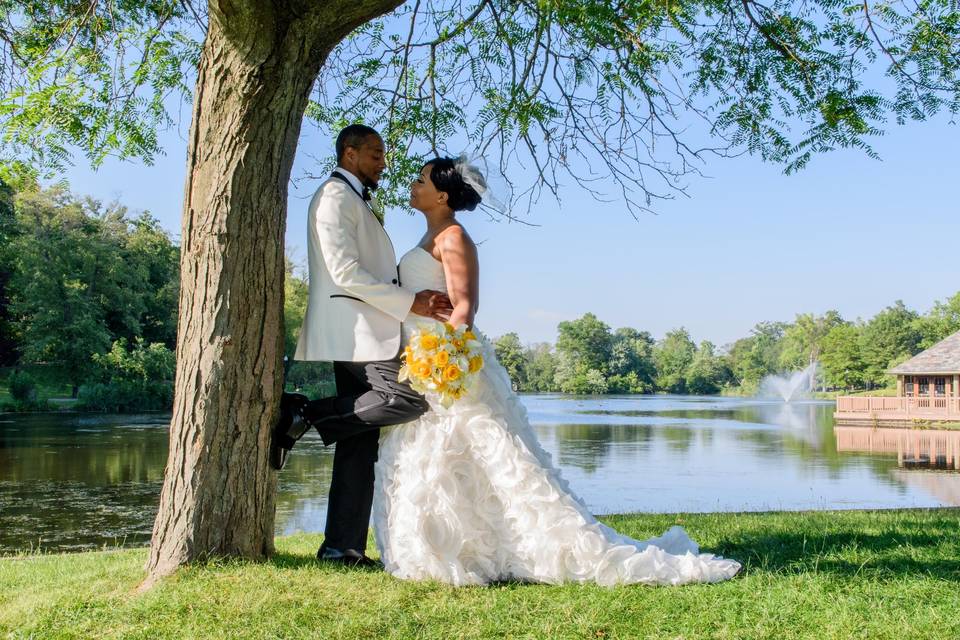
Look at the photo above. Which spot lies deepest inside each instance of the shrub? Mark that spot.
(585, 381)
(312, 379)
(25, 406)
(23, 387)
(628, 383)
(126, 396)
(128, 380)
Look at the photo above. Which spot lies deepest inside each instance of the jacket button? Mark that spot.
(394, 281)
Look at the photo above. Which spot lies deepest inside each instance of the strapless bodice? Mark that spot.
(419, 270)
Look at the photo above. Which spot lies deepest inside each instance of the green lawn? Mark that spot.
(52, 386)
(885, 574)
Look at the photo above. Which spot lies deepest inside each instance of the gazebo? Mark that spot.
(928, 389)
(933, 373)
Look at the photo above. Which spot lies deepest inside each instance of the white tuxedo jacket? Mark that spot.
(355, 303)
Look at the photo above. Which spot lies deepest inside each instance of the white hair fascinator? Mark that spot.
(474, 172)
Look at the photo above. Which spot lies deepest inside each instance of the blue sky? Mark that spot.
(748, 244)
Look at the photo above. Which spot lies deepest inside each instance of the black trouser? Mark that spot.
(368, 397)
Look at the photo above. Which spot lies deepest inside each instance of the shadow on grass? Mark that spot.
(298, 561)
(878, 545)
(847, 554)
(283, 560)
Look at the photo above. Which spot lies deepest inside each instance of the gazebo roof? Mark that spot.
(943, 357)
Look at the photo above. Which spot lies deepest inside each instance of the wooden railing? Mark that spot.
(919, 407)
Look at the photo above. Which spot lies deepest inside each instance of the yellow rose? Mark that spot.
(422, 369)
(442, 358)
(428, 342)
(458, 343)
(451, 373)
(469, 335)
(449, 327)
(476, 363)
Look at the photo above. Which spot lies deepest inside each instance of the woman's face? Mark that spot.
(423, 193)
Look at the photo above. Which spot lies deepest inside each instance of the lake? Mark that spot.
(78, 481)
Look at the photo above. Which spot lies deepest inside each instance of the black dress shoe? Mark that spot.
(290, 426)
(347, 557)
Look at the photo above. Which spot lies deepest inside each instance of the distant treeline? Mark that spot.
(590, 358)
(89, 293)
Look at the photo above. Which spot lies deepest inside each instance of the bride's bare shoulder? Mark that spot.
(455, 237)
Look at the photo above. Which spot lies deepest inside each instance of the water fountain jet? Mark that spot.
(790, 386)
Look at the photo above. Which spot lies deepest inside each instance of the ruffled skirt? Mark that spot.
(467, 495)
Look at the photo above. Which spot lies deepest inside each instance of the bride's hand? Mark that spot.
(432, 304)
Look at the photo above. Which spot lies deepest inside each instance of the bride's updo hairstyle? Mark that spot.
(445, 176)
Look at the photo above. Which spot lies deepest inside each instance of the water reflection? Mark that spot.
(587, 447)
(914, 448)
(945, 486)
(304, 483)
(72, 482)
(69, 482)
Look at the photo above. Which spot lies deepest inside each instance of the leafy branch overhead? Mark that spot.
(554, 92)
(91, 76)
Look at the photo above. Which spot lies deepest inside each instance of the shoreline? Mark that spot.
(678, 516)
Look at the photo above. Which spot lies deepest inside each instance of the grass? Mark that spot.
(918, 423)
(858, 574)
(53, 389)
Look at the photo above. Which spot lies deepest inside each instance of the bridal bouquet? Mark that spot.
(441, 359)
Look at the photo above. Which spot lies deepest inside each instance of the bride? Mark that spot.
(466, 494)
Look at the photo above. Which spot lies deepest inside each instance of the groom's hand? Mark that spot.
(432, 304)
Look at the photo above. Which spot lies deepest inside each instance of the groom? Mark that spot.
(354, 310)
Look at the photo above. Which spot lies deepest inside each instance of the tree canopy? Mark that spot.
(634, 93)
(83, 275)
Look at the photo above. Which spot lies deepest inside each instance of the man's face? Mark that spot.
(369, 160)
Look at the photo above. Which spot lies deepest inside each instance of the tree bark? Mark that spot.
(258, 64)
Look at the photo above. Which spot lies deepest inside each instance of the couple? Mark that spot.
(465, 494)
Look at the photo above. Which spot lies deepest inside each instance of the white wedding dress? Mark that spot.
(466, 495)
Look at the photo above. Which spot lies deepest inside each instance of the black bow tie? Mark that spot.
(366, 194)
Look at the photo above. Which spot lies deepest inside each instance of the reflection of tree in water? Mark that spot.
(805, 421)
(809, 434)
(806, 432)
(74, 483)
(805, 428)
(705, 438)
(7, 430)
(69, 483)
(104, 452)
(586, 446)
(739, 414)
(82, 482)
(304, 484)
(678, 439)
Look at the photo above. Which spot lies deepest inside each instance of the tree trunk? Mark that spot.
(258, 64)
